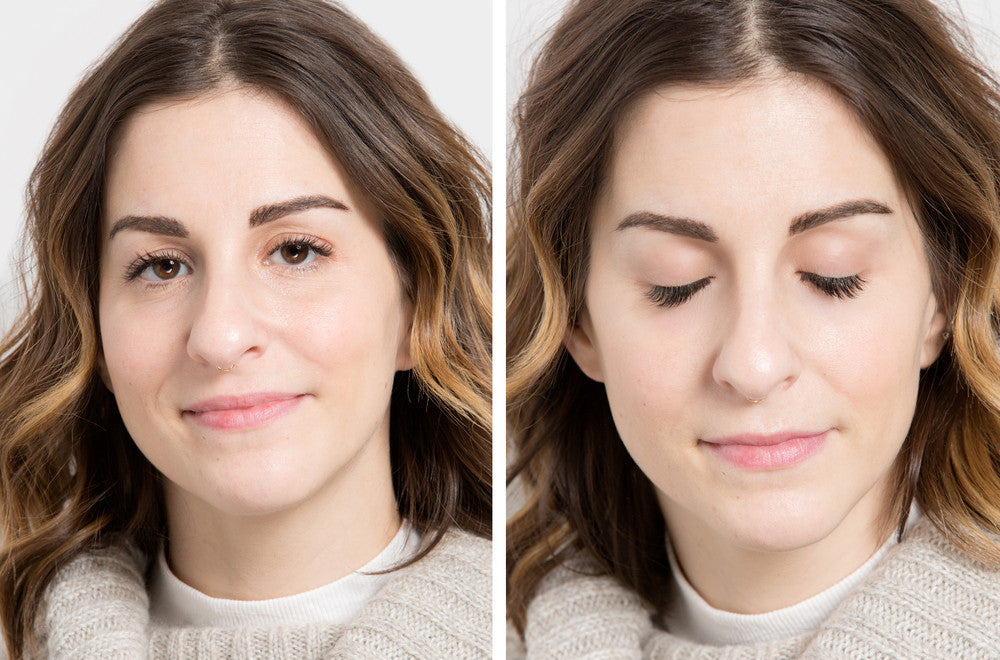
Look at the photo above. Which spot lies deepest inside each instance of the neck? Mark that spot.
(333, 533)
(747, 580)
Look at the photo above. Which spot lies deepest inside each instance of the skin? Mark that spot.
(745, 162)
(282, 506)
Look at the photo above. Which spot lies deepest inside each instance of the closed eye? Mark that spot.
(672, 296)
(838, 287)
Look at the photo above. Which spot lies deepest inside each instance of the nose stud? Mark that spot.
(231, 367)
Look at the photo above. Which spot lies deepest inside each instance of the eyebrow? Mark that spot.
(671, 225)
(164, 226)
(848, 209)
(802, 222)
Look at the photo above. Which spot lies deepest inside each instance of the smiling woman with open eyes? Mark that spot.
(754, 377)
(246, 411)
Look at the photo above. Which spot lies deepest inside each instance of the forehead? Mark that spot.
(769, 147)
(239, 148)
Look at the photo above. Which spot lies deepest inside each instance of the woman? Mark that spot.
(245, 412)
(752, 315)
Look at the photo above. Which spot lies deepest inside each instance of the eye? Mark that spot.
(299, 251)
(672, 296)
(157, 268)
(838, 287)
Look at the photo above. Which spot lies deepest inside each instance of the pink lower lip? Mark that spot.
(245, 418)
(770, 457)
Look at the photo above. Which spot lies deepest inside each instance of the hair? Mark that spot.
(934, 111)
(71, 477)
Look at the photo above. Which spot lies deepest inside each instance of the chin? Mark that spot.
(778, 522)
(258, 489)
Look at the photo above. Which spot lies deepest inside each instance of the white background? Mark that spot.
(46, 47)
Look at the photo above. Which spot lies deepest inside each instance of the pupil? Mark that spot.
(166, 268)
(293, 254)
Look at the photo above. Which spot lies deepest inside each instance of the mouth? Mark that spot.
(767, 452)
(243, 411)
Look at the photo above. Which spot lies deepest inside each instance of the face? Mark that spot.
(251, 317)
(759, 307)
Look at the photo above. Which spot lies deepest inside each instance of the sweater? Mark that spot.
(97, 607)
(926, 599)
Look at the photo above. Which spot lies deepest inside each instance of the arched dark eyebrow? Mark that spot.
(274, 211)
(164, 226)
(152, 224)
(849, 209)
(670, 224)
(803, 222)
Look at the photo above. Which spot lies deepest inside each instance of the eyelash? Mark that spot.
(145, 260)
(321, 248)
(672, 296)
(836, 287)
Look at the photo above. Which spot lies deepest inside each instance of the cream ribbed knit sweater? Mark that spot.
(924, 600)
(439, 607)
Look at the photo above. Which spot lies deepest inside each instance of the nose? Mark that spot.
(225, 328)
(756, 357)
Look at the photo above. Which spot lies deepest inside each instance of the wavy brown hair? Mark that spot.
(70, 475)
(935, 112)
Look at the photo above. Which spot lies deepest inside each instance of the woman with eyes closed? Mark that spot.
(754, 386)
(245, 413)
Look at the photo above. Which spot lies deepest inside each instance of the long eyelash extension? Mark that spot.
(672, 296)
(839, 287)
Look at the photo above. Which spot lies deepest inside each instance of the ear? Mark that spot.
(102, 369)
(936, 335)
(579, 341)
(404, 358)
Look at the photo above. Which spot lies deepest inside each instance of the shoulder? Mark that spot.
(578, 612)
(460, 550)
(96, 605)
(439, 607)
(459, 563)
(926, 597)
(926, 560)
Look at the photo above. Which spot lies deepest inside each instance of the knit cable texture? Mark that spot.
(97, 608)
(924, 600)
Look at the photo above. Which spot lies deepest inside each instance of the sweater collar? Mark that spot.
(692, 618)
(924, 599)
(97, 607)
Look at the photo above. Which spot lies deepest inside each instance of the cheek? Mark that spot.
(349, 328)
(870, 361)
(654, 366)
(139, 344)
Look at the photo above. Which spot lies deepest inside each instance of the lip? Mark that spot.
(768, 451)
(242, 411)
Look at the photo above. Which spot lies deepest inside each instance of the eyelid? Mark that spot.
(848, 286)
(674, 296)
